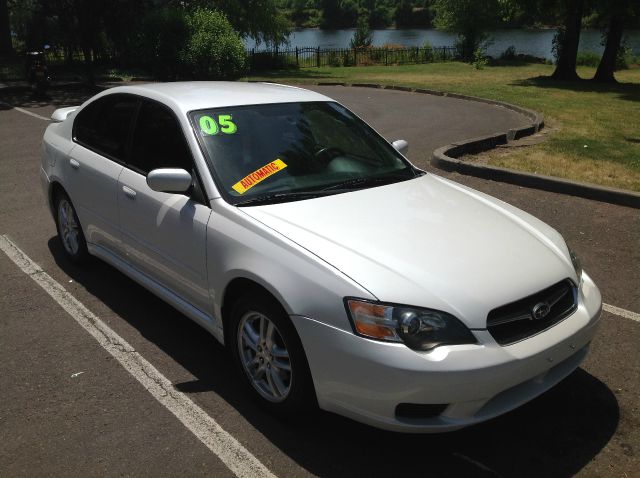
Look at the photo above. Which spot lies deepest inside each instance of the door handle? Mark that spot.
(131, 194)
(74, 164)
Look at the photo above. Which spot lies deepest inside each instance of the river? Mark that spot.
(532, 42)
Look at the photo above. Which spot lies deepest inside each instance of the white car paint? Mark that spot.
(424, 242)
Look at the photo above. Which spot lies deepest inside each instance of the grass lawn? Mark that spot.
(598, 127)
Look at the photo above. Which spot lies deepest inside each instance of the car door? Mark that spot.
(91, 171)
(164, 233)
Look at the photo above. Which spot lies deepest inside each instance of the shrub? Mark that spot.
(625, 57)
(429, 55)
(363, 37)
(214, 50)
(509, 54)
(334, 59)
(556, 44)
(479, 59)
(587, 58)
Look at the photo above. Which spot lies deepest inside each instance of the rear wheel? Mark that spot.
(69, 230)
(270, 357)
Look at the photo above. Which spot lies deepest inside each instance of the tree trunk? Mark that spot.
(88, 65)
(566, 67)
(6, 47)
(607, 65)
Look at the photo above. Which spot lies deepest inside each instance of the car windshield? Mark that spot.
(290, 151)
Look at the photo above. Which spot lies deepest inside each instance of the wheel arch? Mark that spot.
(238, 287)
(55, 189)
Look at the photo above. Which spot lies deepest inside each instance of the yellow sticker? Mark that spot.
(259, 175)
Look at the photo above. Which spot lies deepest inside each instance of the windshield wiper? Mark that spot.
(273, 198)
(361, 183)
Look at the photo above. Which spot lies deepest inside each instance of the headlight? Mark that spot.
(576, 263)
(419, 329)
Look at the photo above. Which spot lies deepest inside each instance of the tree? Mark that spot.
(163, 36)
(607, 66)
(618, 11)
(362, 38)
(6, 47)
(469, 19)
(261, 20)
(213, 50)
(403, 15)
(567, 40)
(330, 13)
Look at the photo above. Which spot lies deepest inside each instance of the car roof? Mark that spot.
(195, 95)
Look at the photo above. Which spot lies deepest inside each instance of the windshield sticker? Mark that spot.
(209, 126)
(259, 175)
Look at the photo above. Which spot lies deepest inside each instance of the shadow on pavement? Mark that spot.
(625, 91)
(555, 435)
(308, 73)
(70, 95)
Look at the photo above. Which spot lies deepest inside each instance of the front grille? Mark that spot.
(526, 317)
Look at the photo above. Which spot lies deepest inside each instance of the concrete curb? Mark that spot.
(442, 160)
(445, 158)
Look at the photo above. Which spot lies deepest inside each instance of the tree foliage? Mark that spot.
(362, 37)
(261, 20)
(469, 19)
(213, 49)
(163, 36)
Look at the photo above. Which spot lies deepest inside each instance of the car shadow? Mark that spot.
(555, 435)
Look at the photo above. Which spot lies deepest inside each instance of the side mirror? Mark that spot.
(169, 180)
(401, 146)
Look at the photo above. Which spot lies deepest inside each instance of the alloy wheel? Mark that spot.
(264, 356)
(69, 229)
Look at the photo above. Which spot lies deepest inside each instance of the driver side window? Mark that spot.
(158, 141)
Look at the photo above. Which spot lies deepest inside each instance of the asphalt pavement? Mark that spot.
(68, 408)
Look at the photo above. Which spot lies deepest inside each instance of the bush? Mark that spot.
(509, 54)
(362, 37)
(214, 50)
(587, 58)
(334, 59)
(625, 57)
(429, 55)
(479, 59)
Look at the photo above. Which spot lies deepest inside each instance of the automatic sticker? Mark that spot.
(250, 180)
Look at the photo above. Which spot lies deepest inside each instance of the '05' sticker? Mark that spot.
(224, 125)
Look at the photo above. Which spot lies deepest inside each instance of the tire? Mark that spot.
(273, 365)
(69, 229)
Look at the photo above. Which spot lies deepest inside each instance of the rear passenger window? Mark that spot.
(158, 141)
(103, 126)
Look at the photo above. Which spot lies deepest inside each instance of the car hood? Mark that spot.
(427, 242)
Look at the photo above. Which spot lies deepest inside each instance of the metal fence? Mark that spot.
(319, 57)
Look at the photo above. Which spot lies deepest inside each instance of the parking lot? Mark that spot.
(69, 407)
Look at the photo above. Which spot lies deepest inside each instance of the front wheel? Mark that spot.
(270, 357)
(69, 230)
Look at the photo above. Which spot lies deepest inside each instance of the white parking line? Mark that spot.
(35, 115)
(231, 452)
(612, 309)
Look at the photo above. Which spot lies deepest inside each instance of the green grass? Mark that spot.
(605, 119)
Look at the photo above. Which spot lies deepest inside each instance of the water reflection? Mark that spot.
(532, 42)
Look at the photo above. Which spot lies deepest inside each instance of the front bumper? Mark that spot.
(365, 379)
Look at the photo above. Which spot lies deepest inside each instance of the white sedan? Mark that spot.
(338, 274)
